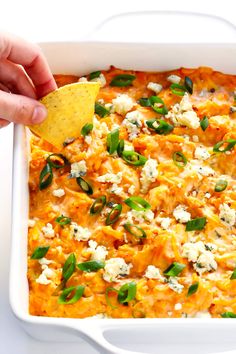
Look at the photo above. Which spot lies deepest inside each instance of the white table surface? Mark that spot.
(51, 20)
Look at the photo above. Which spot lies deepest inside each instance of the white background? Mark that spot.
(61, 20)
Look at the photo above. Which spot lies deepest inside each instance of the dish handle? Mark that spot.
(164, 27)
(95, 336)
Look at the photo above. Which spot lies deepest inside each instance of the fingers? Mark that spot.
(31, 58)
(14, 77)
(21, 109)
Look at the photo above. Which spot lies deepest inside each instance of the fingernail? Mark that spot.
(39, 114)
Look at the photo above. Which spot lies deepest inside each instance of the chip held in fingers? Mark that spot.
(69, 108)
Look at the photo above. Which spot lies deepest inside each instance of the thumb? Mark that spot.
(21, 109)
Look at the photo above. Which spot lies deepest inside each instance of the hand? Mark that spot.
(24, 77)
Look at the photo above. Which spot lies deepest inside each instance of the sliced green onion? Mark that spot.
(193, 289)
(101, 110)
(179, 159)
(114, 214)
(228, 315)
(85, 186)
(87, 128)
(144, 102)
(98, 205)
(221, 185)
(122, 80)
(177, 89)
(135, 230)
(108, 290)
(133, 158)
(94, 75)
(160, 126)
(112, 141)
(57, 160)
(120, 147)
(40, 252)
(69, 267)
(196, 224)
(127, 292)
(45, 177)
(188, 84)
(158, 105)
(63, 220)
(137, 203)
(65, 297)
(233, 275)
(174, 269)
(230, 144)
(91, 266)
(204, 123)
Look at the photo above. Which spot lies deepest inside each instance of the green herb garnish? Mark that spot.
(91, 266)
(114, 214)
(174, 269)
(137, 203)
(45, 177)
(196, 224)
(84, 185)
(122, 80)
(40, 252)
(65, 297)
(133, 158)
(98, 205)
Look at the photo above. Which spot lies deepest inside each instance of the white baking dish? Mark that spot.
(198, 336)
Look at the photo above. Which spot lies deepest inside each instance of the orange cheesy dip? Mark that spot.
(137, 216)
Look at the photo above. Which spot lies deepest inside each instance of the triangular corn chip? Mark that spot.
(69, 108)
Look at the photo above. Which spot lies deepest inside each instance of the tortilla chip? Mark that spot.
(69, 108)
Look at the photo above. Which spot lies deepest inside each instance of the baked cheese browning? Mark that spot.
(140, 221)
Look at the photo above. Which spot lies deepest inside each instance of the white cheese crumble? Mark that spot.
(46, 273)
(78, 169)
(178, 306)
(139, 216)
(88, 139)
(227, 215)
(48, 230)
(31, 223)
(195, 139)
(153, 272)
(174, 285)
(131, 190)
(207, 195)
(79, 233)
(115, 189)
(58, 192)
(115, 268)
(181, 215)
(201, 255)
(165, 222)
(133, 123)
(110, 178)
(45, 261)
(183, 114)
(202, 170)
(153, 86)
(201, 153)
(122, 104)
(98, 253)
(83, 79)
(101, 79)
(149, 174)
(100, 129)
(174, 79)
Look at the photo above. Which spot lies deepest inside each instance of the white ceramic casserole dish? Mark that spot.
(198, 336)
